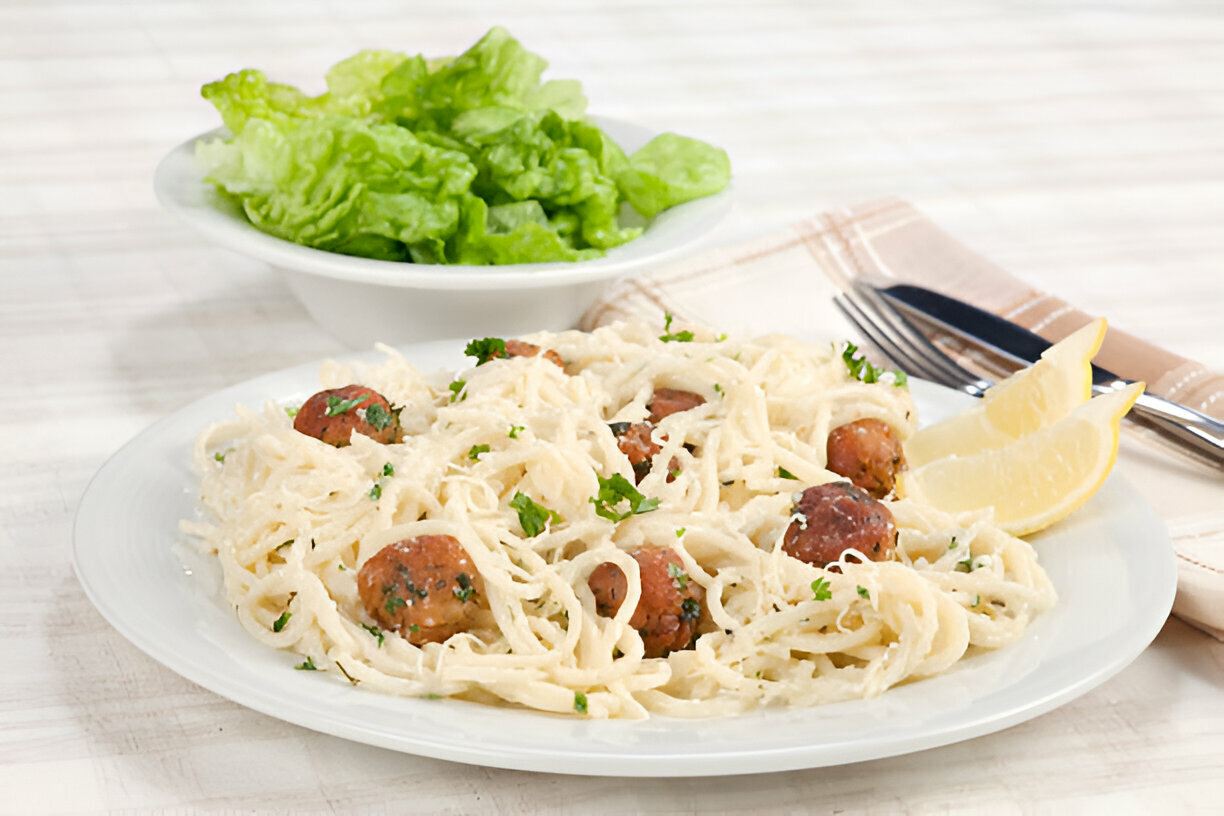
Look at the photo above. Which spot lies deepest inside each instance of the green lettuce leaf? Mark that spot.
(247, 94)
(354, 85)
(469, 159)
(495, 72)
(339, 184)
(671, 170)
(353, 89)
(400, 92)
(506, 232)
(543, 157)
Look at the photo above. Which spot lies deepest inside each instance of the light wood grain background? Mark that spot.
(1078, 145)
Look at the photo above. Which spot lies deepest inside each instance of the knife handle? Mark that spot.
(1152, 407)
(1199, 434)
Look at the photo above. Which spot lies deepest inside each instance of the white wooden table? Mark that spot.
(1078, 146)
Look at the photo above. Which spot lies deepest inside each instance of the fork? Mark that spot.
(907, 346)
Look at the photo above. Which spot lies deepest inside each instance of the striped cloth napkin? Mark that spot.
(785, 281)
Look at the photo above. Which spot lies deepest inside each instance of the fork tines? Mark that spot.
(902, 342)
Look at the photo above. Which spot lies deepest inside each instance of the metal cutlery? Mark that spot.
(873, 311)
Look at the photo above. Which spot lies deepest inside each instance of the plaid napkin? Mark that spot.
(784, 282)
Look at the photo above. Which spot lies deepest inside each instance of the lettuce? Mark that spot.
(342, 185)
(671, 170)
(470, 160)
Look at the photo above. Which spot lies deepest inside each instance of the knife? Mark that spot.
(1016, 343)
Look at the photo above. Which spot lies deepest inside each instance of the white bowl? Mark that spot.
(361, 301)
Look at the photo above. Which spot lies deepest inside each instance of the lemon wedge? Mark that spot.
(1027, 401)
(1035, 480)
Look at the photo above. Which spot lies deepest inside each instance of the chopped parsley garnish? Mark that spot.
(953, 545)
(337, 406)
(464, 591)
(690, 609)
(455, 388)
(486, 349)
(863, 593)
(220, 455)
(414, 628)
(533, 518)
(718, 389)
(432, 696)
(820, 590)
(614, 490)
(679, 337)
(514, 431)
(307, 665)
(379, 417)
(580, 702)
(282, 620)
(476, 450)
(783, 473)
(720, 337)
(284, 544)
(375, 631)
(966, 565)
(376, 491)
(977, 599)
(291, 411)
(678, 575)
(393, 603)
(679, 532)
(864, 371)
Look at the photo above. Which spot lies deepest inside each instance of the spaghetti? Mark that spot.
(292, 520)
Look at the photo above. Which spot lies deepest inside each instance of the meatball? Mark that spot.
(868, 453)
(425, 588)
(333, 415)
(518, 348)
(670, 606)
(667, 401)
(635, 442)
(836, 517)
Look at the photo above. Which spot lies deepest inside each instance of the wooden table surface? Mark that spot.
(1078, 145)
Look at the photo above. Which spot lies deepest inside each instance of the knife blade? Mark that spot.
(980, 327)
(1016, 343)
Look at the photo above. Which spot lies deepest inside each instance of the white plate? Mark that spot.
(1112, 563)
